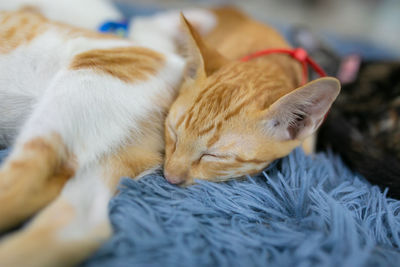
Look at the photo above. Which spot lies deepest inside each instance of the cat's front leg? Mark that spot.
(42, 160)
(76, 223)
(31, 177)
(68, 230)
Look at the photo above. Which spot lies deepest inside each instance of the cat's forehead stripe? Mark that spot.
(237, 109)
(207, 129)
(199, 99)
(224, 96)
(213, 139)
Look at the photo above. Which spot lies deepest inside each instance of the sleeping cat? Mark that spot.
(81, 109)
(233, 118)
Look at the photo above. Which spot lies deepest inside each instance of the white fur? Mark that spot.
(28, 72)
(94, 113)
(90, 202)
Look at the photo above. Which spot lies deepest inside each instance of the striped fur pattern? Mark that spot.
(81, 110)
(233, 118)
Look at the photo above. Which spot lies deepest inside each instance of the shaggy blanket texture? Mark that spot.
(301, 211)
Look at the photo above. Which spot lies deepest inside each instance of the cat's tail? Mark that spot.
(377, 166)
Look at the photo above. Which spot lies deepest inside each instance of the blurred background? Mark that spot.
(374, 21)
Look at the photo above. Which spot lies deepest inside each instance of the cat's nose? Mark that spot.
(173, 178)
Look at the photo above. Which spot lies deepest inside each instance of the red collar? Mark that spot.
(298, 53)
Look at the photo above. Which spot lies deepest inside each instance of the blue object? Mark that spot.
(301, 212)
(3, 154)
(118, 28)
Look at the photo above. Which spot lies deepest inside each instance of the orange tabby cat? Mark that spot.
(234, 118)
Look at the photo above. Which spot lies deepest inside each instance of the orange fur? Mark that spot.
(216, 129)
(18, 28)
(43, 231)
(26, 194)
(145, 153)
(126, 63)
(237, 35)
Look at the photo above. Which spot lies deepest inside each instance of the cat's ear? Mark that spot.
(202, 61)
(299, 113)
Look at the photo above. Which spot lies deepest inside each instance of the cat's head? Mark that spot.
(231, 118)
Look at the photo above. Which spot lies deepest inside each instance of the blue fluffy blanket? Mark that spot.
(300, 212)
